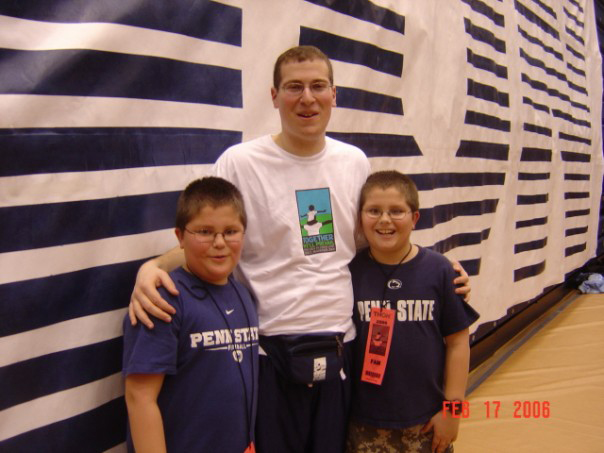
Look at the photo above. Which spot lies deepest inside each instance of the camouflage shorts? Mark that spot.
(369, 439)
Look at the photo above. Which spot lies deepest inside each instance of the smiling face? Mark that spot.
(212, 261)
(304, 117)
(389, 239)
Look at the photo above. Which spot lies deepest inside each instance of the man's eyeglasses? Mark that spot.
(208, 236)
(394, 214)
(316, 88)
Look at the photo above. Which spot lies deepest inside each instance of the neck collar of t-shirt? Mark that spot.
(295, 157)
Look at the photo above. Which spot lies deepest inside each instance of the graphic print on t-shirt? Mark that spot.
(316, 221)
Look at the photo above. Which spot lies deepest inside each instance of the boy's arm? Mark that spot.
(146, 424)
(145, 297)
(457, 362)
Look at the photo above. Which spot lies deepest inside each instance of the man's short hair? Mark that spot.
(209, 191)
(391, 178)
(300, 54)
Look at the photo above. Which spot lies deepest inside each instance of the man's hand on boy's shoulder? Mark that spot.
(462, 282)
(146, 300)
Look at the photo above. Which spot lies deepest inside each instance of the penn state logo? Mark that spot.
(394, 283)
(238, 355)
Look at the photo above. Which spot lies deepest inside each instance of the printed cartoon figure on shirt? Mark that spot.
(316, 221)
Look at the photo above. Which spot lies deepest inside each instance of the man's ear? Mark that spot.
(333, 102)
(274, 97)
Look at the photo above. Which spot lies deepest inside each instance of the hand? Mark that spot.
(463, 280)
(445, 428)
(145, 297)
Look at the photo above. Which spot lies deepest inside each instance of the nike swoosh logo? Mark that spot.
(228, 312)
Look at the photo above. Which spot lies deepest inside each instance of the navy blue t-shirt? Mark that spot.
(427, 309)
(209, 354)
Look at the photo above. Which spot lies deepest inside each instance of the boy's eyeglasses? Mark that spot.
(208, 236)
(394, 214)
(296, 89)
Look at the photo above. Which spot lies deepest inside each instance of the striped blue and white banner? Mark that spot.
(108, 108)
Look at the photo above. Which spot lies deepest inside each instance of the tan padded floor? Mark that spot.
(563, 365)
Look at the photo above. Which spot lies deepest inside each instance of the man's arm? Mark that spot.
(146, 424)
(457, 362)
(145, 297)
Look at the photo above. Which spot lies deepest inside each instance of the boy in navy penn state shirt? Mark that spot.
(191, 385)
(417, 355)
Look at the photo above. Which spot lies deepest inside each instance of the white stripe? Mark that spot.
(59, 406)
(44, 262)
(26, 34)
(61, 336)
(22, 110)
(94, 185)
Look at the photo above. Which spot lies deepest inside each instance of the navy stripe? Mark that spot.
(540, 64)
(488, 93)
(353, 98)
(484, 9)
(487, 64)
(535, 19)
(484, 150)
(461, 240)
(537, 129)
(523, 176)
(531, 222)
(576, 70)
(572, 17)
(578, 88)
(529, 271)
(546, 8)
(574, 231)
(574, 138)
(380, 145)
(536, 106)
(568, 117)
(46, 225)
(576, 177)
(531, 245)
(186, 17)
(576, 54)
(31, 151)
(577, 213)
(576, 3)
(536, 155)
(91, 432)
(76, 73)
(351, 51)
(569, 31)
(575, 195)
(431, 181)
(484, 35)
(534, 40)
(569, 251)
(61, 371)
(366, 11)
(471, 266)
(484, 120)
(541, 86)
(532, 199)
(41, 302)
(431, 217)
(569, 156)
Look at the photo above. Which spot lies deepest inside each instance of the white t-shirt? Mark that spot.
(299, 273)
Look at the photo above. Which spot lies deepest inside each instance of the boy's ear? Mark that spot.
(415, 218)
(180, 235)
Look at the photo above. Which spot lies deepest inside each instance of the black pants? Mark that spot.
(296, 418)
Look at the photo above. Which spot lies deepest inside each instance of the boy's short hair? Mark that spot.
(300, 54)
(209, 191)
(391, 178)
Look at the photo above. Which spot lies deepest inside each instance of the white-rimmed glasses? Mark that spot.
(316, 88)
(394, 214)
